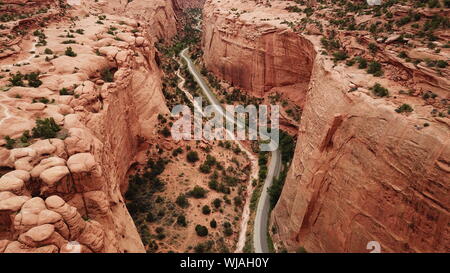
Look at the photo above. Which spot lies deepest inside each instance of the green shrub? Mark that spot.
(17, 79)
(228, 230)
(441, 64)
(373, 47)
(9, 142)
(177, 151)
(182, 201)
(213, 223)
(205, 168)
(48, 51)
(45, 128)
(181, 220)
(237, 200)
(150, 217)
(340, 55)
(379, 90)
(434, 4)
(198, 192)
(201, 231)
(69, 52)
(362, 63)
(375, 69)
(25, 136)
(350, 62)
(66, 42)
(217, 202)
(64, 92)
(206, 210)
(33, 79)
(213, 184)
(403, 55)
(192, 156)
(165, 132)
(404, 108)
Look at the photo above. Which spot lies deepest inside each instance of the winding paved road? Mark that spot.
(262, 213)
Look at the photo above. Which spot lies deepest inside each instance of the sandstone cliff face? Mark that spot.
(68, 188)
(255, 57)
(361, 172)
(157, 16)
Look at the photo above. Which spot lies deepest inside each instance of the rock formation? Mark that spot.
(361, 172)
(255, 57)
(63, 193)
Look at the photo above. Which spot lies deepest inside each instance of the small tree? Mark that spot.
(181, 220)
(198, 192)
(192, 156)
(9, 142)
(182, 201)
(340, 55)
(237, 201)
(441, 64)
(217, 202)
(201, 231)
(165, 132)
(69, 52)
(362, 63)
(375, 69)
(404, 108)
(227, 231)
(379, 90)
(373, 47)
(177, 151)
(33, 79)
(17, 79)
(206, 210)
(213, 223)
(205, 168)
(46, 128)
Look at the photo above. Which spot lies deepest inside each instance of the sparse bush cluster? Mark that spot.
(45, 128)
(31, 79)
(140, 197)
(379, 90)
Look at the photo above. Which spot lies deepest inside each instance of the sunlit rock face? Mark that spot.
(361, 172)
(67, 188)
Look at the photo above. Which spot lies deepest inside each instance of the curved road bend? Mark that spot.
(262, 213)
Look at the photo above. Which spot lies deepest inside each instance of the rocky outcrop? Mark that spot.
(361, 172)
(158, 17)
(255, 57)
(63, 194)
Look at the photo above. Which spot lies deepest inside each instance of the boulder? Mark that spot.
(54, 174)
(81, 162)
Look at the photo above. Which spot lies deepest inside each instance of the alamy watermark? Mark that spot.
(235, 122)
